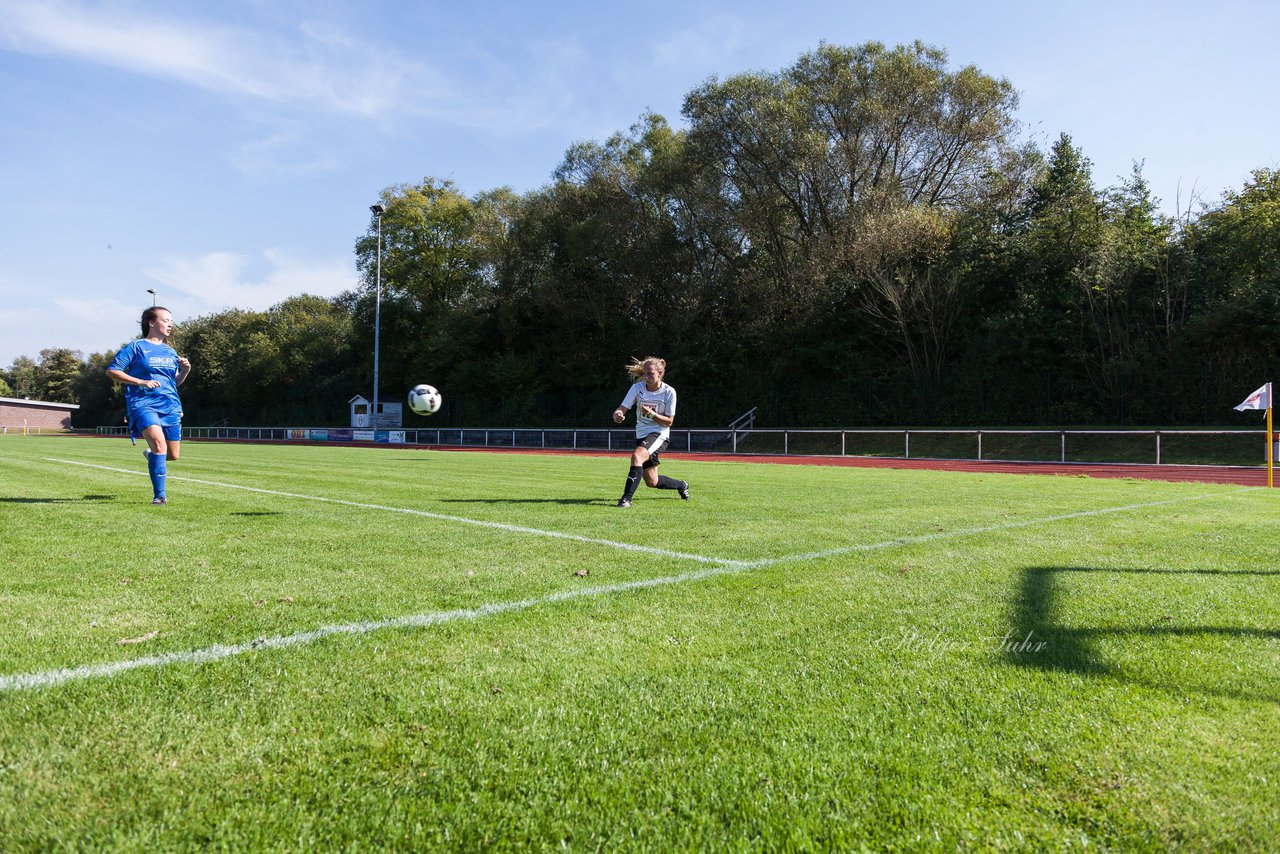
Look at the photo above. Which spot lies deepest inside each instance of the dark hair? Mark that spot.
(148, 316)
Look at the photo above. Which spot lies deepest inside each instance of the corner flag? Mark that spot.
(1261, 399)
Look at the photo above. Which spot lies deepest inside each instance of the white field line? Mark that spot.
(964, 532)
(51, 678)
(515, 529)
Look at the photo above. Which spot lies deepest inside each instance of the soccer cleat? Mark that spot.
(159, 500)
(684, 490)
(624, 502)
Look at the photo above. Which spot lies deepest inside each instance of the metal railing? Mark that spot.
(1143, 447)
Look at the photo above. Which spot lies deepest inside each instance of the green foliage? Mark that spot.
(856, 238)
(23, 379)
(101, 400)
(288, 365)
(57, 373)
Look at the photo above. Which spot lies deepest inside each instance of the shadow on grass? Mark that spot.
(569, 501)
(16, 500)
(257, 513)
(1039, 641)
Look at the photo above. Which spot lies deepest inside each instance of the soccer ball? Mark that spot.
(425, 400)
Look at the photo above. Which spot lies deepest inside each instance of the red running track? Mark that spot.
(1239, 475)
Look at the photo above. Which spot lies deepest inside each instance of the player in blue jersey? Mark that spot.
(654, 417)
(151, 371)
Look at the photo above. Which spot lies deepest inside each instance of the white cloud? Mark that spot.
(319, 70)
(220, 280)
(105, 311)
(289, 154)
(312, 66)
(704, 46)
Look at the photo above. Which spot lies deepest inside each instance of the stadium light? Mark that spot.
(152, 291)
(378, 211)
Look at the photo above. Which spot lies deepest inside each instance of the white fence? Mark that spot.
(1145, 447)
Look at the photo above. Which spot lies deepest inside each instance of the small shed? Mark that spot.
(390, 415)
(17, 414)
(359, 411)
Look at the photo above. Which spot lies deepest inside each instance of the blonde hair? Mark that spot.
(636, 368)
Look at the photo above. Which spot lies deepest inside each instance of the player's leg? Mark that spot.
(157, 453)
(650, 466)
(635, 474)
(661, 481)
(173, 437)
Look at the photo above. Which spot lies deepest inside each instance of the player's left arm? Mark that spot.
(184, 370)
(664, 420)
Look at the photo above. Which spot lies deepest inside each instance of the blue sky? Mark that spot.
(225, 154)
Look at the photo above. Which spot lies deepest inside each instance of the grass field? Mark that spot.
(362, 649)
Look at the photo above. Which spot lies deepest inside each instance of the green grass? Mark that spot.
(991, 670)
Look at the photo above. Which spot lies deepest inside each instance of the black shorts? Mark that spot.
(654, 444)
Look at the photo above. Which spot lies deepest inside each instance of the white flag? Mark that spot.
(1260, 399)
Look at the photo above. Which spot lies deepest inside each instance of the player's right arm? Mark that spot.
(620, 414)
(121, 377)
(116, 370)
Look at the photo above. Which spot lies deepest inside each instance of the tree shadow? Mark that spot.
(1038, 640)
(18, 500)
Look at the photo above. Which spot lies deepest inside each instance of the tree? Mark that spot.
(227, 355)
(1233, 331)
(58, 370)
(902, 256)
(436, 269)
(806, 154)
(101, 400)
(23, 374)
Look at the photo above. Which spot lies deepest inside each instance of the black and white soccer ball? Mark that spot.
(425, 400)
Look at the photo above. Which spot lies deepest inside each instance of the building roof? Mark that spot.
(23, 401)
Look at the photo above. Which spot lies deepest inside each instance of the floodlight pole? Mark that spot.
(152, 291)
(377, 210)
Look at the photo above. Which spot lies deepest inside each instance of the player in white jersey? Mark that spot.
(655, 414)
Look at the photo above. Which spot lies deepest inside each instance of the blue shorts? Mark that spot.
(141, 420)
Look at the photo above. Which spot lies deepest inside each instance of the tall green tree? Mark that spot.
(57, 372)
(807, 153)
(24, 378)
(440, 269)
(101, 400)
(1233, 334)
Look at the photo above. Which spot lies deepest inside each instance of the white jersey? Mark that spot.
(663, 401)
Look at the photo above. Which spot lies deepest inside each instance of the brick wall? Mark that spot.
(13, 414)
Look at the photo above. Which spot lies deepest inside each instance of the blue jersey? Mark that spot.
(144, 360)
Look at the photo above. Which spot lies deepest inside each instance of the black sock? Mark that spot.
(665, 482)
(634, 475)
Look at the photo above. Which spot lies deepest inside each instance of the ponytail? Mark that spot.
(636, 368)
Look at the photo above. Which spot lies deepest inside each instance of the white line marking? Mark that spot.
(964, 532)
(500, 526)
(51, 678)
